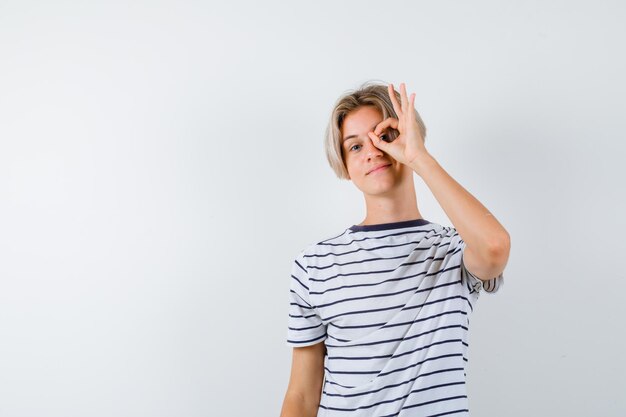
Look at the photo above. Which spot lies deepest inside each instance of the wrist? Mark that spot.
(422, 163)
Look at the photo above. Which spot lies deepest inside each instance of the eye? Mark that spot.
(354, 146)
(384, 137)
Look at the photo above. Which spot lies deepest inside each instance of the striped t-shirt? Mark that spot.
(392, 304)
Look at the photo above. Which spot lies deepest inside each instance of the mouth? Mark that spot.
(379, 169)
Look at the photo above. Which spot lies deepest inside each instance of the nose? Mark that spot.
(372, 151)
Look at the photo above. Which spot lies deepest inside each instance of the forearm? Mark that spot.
(477, 226)
(297, 406)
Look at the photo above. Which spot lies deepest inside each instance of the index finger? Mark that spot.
(390, 121)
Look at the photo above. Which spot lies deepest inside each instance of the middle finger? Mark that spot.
(394, 100)
(403, 97)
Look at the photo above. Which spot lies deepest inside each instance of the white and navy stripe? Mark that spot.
(392, 304)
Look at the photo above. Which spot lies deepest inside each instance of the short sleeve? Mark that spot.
(475, 283)
(304, 326)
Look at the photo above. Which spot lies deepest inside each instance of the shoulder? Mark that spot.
(328, 246)
(315, 245)
(326, 243)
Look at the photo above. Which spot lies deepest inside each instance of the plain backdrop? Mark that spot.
(162, 163)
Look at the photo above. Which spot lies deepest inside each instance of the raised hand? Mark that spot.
(408, 147)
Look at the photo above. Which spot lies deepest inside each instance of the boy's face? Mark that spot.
(361, 156)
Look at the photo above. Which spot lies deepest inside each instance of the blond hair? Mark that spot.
(370, 93)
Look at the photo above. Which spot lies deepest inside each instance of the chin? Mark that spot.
(379, 184)
(377, 189)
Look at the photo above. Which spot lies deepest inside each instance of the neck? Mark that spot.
(399, 204)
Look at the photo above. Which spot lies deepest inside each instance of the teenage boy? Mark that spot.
(379, 314)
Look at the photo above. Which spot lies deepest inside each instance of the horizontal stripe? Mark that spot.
(378, 373)
(373, 284)
(360, 250)
(306, 341)
(381, 237)
(304, 328)
(405, 338)
(391, 304)
(344, 254)
(383, 325)
(301, 306)
(415, 290)
(296, 316)
(364, 407)
(395, 385)
(394, 355)
(381, 271)
(400, 306)
(361, 261)
(436, 401)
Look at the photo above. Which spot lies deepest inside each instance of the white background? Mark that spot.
(161, 164)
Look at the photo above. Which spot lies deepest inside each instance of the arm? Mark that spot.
(487, 243)
(305, 384)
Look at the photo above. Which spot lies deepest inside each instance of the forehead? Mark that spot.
(360, 121)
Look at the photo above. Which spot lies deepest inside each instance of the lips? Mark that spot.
(378, 167)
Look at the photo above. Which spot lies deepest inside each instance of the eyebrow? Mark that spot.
(354, 136)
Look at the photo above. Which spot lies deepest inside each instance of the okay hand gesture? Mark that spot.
(408, 147)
